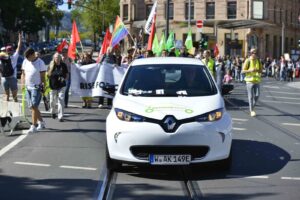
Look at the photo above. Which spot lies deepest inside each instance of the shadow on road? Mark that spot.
(250, 158)
(47, 189)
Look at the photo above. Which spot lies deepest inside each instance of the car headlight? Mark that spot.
(210, 116)
(128, 116)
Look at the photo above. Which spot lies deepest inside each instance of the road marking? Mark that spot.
(267, 86)
(291, 178)
(73, 106)
(241, 176)
(284, 92)
(12, 144)
(290, 124)
(76, 167)
(32, 164)
(281, 102)
(238, 119)
(239, 129)
(283, 97)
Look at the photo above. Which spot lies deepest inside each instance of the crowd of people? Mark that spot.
(36, 75)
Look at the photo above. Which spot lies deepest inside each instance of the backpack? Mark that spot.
(7, 69)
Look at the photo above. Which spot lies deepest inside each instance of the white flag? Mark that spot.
(150, 19)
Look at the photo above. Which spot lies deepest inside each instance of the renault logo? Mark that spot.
(169, 123)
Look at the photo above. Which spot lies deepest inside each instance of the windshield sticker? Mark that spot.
(151, 109)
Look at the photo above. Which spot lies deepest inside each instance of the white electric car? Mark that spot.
(168, 111)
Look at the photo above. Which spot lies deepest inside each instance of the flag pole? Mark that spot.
(81, 46)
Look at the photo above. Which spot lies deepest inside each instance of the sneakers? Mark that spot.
(53, 116)
(41, 126)
(32, 129)
(100, 106)
(252, 114)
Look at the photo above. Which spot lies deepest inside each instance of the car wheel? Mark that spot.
(112, 164)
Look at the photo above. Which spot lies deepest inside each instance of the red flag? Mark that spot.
(152, 33)
(74, 39)
(105, 44)
(63, 44)
(216, 50)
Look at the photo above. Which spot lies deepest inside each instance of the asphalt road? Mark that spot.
(66, 161)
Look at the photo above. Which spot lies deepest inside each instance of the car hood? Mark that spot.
(159, 107)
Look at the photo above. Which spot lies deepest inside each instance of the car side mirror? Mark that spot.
(110, 89)
(227, 88)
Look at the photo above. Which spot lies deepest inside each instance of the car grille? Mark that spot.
(143, 152)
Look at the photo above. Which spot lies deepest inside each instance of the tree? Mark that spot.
(51, 14)
(96, 15)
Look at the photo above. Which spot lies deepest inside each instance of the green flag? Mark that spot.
(189, 41)
(170, 41)
(155, 45)
(162, 43)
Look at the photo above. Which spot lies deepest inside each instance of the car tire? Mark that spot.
(112, 164)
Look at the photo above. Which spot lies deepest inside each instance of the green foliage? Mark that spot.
(18, 15)
(64, 34)
(96, 15)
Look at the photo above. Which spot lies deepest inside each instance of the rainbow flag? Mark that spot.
(120, 32)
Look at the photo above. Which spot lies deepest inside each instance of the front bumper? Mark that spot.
(134, 141)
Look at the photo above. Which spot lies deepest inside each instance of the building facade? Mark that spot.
(234, 25)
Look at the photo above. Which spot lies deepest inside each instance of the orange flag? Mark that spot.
(105, 44)
(216, 50)
(74, 39)
(152, 33)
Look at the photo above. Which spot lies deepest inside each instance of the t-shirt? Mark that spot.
(14, 60)
(32, 71)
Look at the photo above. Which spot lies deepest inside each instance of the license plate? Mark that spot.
(169, 159)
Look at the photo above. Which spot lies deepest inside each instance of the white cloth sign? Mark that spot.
(86, 79)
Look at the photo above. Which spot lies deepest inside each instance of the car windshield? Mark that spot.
(168, 80)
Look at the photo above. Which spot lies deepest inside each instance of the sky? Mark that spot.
(64, 7)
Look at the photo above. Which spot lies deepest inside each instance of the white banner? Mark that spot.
(150, 19)
(86, 79)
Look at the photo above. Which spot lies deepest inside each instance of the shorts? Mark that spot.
(10, 83)
(33, 97)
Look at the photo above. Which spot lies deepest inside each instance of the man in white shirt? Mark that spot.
(33, 78)
(10, 82)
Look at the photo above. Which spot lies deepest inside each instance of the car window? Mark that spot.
(168, 80)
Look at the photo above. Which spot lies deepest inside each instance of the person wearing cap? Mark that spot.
(10, 83)
(252, 69)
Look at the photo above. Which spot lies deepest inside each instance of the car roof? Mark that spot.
(166, 60)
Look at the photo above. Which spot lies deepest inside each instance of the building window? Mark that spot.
(280, 19)
(231, 10)
(125, 12)
(171, 10)
(267, 43)
(148, 9)
(274, 14)
(187, 10)
(275, 55)
(210, 10)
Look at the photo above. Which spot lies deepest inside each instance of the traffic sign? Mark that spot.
(199, 24)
